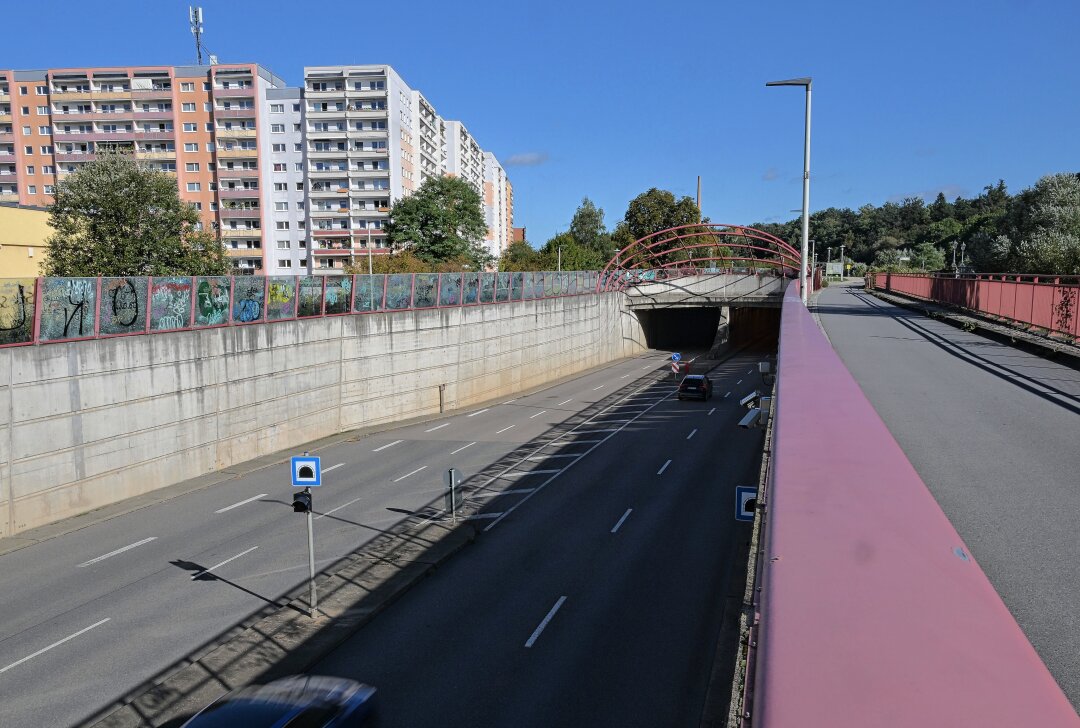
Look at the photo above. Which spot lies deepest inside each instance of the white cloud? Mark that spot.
(527, 159)
(770, 174)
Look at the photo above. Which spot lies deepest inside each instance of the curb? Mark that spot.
(288, 641)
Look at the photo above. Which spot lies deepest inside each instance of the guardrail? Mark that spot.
(873, 612)
(47, 310)
(1048, 302)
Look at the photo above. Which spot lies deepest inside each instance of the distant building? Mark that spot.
(518, 235)
(23, 232)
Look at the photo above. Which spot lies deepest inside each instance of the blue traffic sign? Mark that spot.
(744, 509)
(676, 356)
(306, 471)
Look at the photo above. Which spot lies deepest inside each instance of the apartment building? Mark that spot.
(285, 193)
(204, 125)
(498, 206)
(371, 139)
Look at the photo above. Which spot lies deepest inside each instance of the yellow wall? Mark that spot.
(23, 231)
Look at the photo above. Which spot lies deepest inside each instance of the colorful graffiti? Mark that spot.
(122, 308)
(472, 289)
(281, 298)
(249, 292)
(170, 304)
(17, 310)
(310, 296)
(398, 291)
(487, 287)
(368, 295)
(337, 296)
(424, 290)
(212, 301)
(67, 308)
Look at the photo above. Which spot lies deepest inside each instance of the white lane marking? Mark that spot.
(596, 388)
(455, 452)
(750, 372)
(711, 411)
(519, 473)
(692, 433)
(541, 412)
(414, 472)
(479, 412)
(232, 558)
(241, 503)
(497, 493)
(438, 427)
(553, 455)
(335, 510)
(739, 382)
(624, 517)
(560, 404)
(727, 395)
(503, 430)
(118, 551)
(624, 376)
(663, 468)
(540, 628)
(395, 442)
(333, 467)
(510, 400)
(43, 650)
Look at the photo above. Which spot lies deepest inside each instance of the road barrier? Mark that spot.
(1048, 302)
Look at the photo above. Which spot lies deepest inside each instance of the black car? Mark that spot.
(300, 700)
(695, 385)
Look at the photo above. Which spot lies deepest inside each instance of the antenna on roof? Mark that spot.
(195, 17)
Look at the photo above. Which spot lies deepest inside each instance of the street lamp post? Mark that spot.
(805, 82)
(560, 259)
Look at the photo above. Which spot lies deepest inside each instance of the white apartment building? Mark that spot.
(370, 140)
(498, 206)
(285, 194)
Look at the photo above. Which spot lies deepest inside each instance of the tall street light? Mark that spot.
(805, 82)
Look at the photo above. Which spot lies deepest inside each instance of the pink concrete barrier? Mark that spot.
(873, 611)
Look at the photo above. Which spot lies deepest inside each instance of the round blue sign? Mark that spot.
(676, 356)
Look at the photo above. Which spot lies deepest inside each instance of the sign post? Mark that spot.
(675, 357)
(307, 472)
(451, 478)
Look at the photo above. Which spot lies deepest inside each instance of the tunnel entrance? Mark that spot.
(753, 324)
(679, 328)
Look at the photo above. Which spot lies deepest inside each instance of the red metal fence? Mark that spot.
(1047, 302)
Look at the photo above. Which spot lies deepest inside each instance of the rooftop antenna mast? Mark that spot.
(195, 16)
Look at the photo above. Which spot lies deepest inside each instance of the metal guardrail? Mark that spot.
(46, 310)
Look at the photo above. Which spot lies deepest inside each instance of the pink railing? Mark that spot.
(872, 610)
(1047, 302)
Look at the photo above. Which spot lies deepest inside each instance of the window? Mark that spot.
(193, 187)
(296, 107)
(284, 263)
(206, 86)
(283, 244)
(27, 131)
(212, 166)
(281, 205)
(296, 127)
(47, 149)
(299, 205)
(187, 86)
(298, 147)
(25, 111)
(279, 147)
(277, 108)
(277, 128)
(28, 150)
(48, 169)
(48, 189)
(210, 147)
(42, 90)
(282, 225)
(206, 106)
(300, 186)
(30, 169)
(191, 126)
(198, 206)
(22, 90)
(279, 167)
(298, 166)
(31, 189)
(213, 207)
(43, 110)
(192, 166)
(191, 147)
(213, 186)
(280, 187)
(209, 126)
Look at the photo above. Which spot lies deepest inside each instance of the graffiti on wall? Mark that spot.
(368, 294)
(16, 310)
(502, 287)
(248, 295)
(170, 304)
(487, 287)
(337, 296)
(310, 296)
(450, 289)
(472, 289)
(281, 298)
(398, 291)
(424, 290)
(67, 308)
(517, 286)
(122, 308)
(212, 301)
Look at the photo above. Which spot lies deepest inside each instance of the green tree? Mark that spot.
(574, 255)
(927, 257)
(588, 231)
(1040, 232)
(442, 221)
(117, 217)
(519, 256)
(651, 212)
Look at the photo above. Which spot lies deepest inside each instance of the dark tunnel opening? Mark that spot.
(703, 327)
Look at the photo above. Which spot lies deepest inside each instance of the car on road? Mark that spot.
(301, 700)
(695, 385)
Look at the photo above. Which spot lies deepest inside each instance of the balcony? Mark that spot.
(8, 174)
(5, 96)
(233, 193)
(329, 94)
(152, 115)
(221, 93)
(234, 113)
(76, 157)
(330, 154)
(237, 153)
(369, 173)
(235, 133)
(155, 155)
(368, 114)
(240, 233)
(332, 233)
(369, 153)
(239, 213)
(110, 95)
(7, 136)
(237, 173)
(370, 93)
(157, 92)
(323, 173)
(328, 192)
(69, 96)
(328, 114)
(327, 133)
(154, 135)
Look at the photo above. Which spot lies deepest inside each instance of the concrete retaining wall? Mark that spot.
(89, 423)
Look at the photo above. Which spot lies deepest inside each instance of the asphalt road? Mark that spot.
(89, 615)
(993, 432)
(597, 602)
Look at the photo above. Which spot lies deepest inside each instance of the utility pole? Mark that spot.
(841, 262)
(699, 198)
(195, 17)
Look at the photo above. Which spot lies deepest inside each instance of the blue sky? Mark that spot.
(608, 99)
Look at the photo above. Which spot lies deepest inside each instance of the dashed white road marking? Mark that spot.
(395, 442)
(560, 404)
(692, 433)
(455, 452)
(711, 411)
(333, 467)
(414, 472)
(480, 412)
(43, 650)
(335, 510)
(438, 427)
(241, 503)
(596, 388)
(504, 430)
(739, 382)
(624, 517)
(231, 558)
(536, 633)
(727, 395)
(663, 468)
(541, 412)
(118, 551)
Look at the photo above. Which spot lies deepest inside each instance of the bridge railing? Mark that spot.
(872, 610)
(617, 279)
(1047, 302)
(46, 310)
